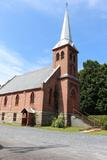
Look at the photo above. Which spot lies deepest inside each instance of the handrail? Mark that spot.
(93, 122)
(94, 119)
(83, 117)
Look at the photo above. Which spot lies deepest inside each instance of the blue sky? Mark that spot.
(30, 28)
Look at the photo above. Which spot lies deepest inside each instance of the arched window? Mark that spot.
(73, 70)
(17, 100)
(74, 59)
(70, 69)
(57, 56)
(5, 101)
(32, 98)
(73, 100)
(72, 93)
(56, 99)
(62, 55)
(3, 116)
(70, 56)
(50, 96)
(14, 117)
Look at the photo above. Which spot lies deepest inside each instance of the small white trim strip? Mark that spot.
(52, 74)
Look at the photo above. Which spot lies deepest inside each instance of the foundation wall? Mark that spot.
(8, 118)
(41, 118)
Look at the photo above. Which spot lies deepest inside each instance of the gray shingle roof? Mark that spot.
(30, 80)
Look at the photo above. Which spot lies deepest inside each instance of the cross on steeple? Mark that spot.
(66, 4)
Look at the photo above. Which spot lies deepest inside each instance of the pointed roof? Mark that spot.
(65, 37)
(28, 81)
(66, 33)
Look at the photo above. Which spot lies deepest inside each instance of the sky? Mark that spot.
(29, 29)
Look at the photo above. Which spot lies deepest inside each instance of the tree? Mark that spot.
(93, 88)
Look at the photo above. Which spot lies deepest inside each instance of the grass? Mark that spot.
(67, 129)
(100, 118)
(10, 124)
(102, 132)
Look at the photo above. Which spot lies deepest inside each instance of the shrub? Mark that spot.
(58, 122)
(105, 125)
(53, 122)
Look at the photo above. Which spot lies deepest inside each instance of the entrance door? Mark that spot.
(31, 119)
(24, 118)
(28, 118)
(73, 101)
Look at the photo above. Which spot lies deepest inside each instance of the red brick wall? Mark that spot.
(73, 96)
(24, 101)
(63, 95)
(66, 102)
(68, 67)
(64, 62)
(51, 83)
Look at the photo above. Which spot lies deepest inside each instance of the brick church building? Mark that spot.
(40, 95)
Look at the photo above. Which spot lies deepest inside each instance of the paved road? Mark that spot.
(21, 143)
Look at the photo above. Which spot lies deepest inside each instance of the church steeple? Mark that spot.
(65, 52)
(66, 33)
(65, 37)
(65, 61)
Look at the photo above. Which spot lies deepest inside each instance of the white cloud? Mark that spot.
(55, 5)
(93, 3)
(12, 63)
(52, 6)
(100, 5)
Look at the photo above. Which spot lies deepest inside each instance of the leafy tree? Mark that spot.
(93, 88)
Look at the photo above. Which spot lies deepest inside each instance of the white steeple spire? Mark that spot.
(66, 33)
(65, 37)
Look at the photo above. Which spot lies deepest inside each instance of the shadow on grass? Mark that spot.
(30, 149)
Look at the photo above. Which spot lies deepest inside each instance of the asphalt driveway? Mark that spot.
(22, 143)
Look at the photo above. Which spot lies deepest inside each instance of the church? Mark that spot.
(37, 97)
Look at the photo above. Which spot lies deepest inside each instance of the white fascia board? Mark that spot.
(52, 74)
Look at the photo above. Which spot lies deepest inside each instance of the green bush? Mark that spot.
(105, 125)
(53, 122)
(58, 122)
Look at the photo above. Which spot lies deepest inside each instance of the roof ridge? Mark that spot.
(27, 81)
(54, 70)
(8, 82)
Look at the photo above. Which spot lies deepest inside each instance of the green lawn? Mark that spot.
(10, 124)
(102, 132)
(100, 118)
(68, 129)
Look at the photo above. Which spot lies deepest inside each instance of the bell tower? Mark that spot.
(65, 55)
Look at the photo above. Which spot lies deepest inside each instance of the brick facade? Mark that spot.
(68, 81)
(58, 94)
(24, 102)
